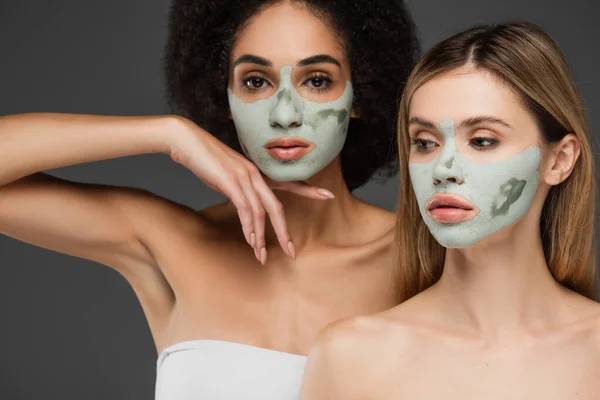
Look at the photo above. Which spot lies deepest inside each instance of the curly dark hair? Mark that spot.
(381, 44)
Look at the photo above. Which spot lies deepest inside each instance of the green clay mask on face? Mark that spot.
(284, 115)
(503, 191)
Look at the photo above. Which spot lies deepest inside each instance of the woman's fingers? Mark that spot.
(258, 216)
(237, 196)
(229, 173)
(303, 189)
(251, 193)
(276, 213)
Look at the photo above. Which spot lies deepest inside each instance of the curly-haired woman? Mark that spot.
(304, 90)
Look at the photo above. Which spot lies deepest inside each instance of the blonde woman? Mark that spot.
(495, 223)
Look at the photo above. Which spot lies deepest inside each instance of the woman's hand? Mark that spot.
(228, 172)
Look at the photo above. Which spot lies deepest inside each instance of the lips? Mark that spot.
(289, 148)
(450, 209)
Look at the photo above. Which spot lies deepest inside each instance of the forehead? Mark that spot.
(286, 33)
(463, 93)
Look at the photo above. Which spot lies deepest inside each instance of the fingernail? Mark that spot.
(252, 239)
(263, 256)
(256, 255)
(326, 193)
(291, 249)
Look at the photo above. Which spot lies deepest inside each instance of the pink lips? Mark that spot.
(450, 209)
(289, 148)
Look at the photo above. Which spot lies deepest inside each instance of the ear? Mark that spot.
(562, 158)
(354, 113)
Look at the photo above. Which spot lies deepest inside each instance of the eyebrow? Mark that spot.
(481, 119)
(466, 123)
(252, 59)
(317, 59)
(421, 121)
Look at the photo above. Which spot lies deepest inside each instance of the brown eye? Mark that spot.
(255, 83)
(318, 82)
(423, 145)
(483, 143)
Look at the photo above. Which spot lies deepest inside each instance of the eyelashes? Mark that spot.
(320, 82)
(423, 146)
(316, 82)
(254, 83)
(479, 143)
(483, 143)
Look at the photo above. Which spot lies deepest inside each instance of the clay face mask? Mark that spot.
(287, 115)
(502, 191)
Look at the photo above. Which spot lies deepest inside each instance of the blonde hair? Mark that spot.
(524, 57)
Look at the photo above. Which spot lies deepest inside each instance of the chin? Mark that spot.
(457, 243)
(289, 173)
(455, 236)
(465, 240)
(299, 170)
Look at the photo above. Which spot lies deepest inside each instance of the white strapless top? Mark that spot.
(220, 370)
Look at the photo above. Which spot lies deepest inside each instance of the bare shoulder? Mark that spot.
(595, 331)
(587, 322)
(585, 333)
(335, 366)
(358, 333)
(133, 231)
(578, 326)
(370, 333)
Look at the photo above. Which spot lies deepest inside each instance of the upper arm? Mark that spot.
(82, 220)
(115, 226)
(336, 364)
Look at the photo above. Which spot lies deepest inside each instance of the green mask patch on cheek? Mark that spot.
(287, 114)
(322, 115)
(510, 192)
(503, 191)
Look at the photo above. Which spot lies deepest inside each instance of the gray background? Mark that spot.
(72, 329)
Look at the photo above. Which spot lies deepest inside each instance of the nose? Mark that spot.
(448, 168)
(285, 114)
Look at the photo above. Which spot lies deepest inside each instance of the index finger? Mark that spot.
(276, 214)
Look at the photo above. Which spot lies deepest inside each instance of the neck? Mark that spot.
(311, 220)
(502, 284)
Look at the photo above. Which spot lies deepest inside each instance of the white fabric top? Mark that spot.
(220, 370)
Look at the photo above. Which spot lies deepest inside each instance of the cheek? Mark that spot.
(510, 191)
(329, 119)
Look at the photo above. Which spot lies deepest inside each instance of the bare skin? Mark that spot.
(496, 325)
(198, 274)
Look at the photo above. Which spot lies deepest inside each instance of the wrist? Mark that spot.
(176, 133)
